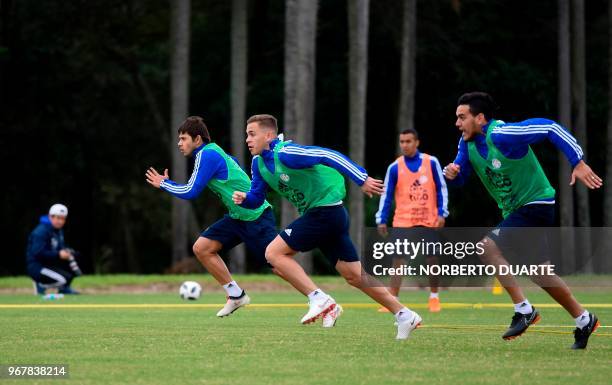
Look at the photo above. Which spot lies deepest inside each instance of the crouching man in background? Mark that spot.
(49, 262)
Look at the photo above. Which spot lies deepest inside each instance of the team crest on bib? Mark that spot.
(423, 179)
(496, 163)
(284, 177)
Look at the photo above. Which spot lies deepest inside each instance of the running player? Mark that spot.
(500, 155)
(310, 178)
(221, 173)
(421, 200)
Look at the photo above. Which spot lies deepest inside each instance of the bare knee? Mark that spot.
(353, 279)
(272, 255)
(205, 248)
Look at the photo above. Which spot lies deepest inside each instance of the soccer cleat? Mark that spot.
(520, 323)
(405, 327)
(434, 305)
(383, 309)
(39, 289)
(329, 319)
(318, 309)
(233, 304)
(581, 336)
(67, 290)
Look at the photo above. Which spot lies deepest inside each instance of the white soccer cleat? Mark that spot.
(233, 304)
(318, 309)
(329, 319)
(405, 327)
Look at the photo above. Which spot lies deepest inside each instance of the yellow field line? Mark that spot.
(532, 329)
(450, 305)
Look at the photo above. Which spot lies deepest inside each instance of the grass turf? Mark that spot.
(189, 345)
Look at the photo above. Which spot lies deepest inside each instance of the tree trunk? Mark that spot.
(300, 43)
(238, 89)
(179, 95)
(405, 115)
(305, 70)
(288, 212)
(579, 116)
(358, 23)
(566, 197)
(606, 264)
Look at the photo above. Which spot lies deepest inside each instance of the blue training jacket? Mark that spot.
(298, 156)
(513, 140)
(44, 245)
(413, 163)
(208, 164)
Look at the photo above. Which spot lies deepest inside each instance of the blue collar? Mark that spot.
(486, 127)
(267, 153)
(414, 157)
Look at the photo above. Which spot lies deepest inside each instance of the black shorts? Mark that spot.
(325, 228)
(256, 234)
(525, 235)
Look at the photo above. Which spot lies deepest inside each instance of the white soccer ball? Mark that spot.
(190, 290)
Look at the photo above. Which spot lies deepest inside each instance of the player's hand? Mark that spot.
(440, 222)
(451, 171)
(583, 173)
(382, 229)
(154, 178)
(372, 186)
(64, 254)
(238, 197)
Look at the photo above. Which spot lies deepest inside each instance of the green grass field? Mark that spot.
(159, 339)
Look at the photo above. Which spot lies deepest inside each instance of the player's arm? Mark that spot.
(297, 156)
(386, 199)
(441, 191)
(39, 250)
(207, 164)
(458, 172)
(518, 136)
(256, 196)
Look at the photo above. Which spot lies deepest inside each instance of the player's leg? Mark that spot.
(223, 234)
(525, 314)
(340, 251)
(258, 234)
(281, 256)
(56, 277)
(434, 297)
(207, 252)
(586, 323)
(394, 283)
(303, 234)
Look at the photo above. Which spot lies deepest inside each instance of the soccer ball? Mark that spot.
(190, 290)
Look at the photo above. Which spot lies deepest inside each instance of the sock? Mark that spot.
(316, 294)
(232, 289)
(582, 320)
(403, 315)
(523, 307)
(433, 295)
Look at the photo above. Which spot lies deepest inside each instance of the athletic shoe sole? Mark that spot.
(320, 315)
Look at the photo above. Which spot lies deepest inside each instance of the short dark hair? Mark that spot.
(479, 102)
(265, 121)
(410, 131)
(194, 126)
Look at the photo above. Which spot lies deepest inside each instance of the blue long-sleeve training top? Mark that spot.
(413, 163)
(513, 140)
(208, 164)
(298, 156)
(44, 244)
